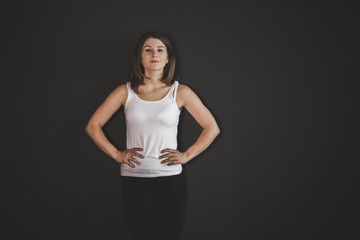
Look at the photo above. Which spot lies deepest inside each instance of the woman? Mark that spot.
(153, 182)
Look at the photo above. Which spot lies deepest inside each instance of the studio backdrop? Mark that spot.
(279, 80)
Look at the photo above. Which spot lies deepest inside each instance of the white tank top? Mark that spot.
(151, 125)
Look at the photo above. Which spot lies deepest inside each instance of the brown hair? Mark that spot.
(137, 70)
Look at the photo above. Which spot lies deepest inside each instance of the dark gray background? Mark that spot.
(281, 82)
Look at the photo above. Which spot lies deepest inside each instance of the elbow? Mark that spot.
(217, 131)
(214, 129)
(89, 127)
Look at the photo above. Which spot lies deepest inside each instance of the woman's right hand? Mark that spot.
(127, 155)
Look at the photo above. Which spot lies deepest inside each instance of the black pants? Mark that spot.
(155, 207)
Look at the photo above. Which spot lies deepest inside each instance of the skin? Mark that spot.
(152, 90)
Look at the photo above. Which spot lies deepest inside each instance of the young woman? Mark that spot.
(153, 182)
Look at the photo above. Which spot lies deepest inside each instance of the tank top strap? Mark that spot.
(173, 90)
(129, 90)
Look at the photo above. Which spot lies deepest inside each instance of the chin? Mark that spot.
(156, 68)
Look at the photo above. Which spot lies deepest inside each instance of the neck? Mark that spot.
(152, 77)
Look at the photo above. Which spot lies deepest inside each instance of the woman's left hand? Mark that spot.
(174, 157)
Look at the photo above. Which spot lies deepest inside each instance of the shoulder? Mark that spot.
(119, 92)
(185, 91)
(187, 95)
(120, 89)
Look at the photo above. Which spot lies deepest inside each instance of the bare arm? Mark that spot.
(202, 115)
(100, 117)
(103, 113)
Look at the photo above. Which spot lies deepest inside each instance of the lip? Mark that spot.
(155, 61)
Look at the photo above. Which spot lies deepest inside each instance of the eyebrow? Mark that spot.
(150, 46)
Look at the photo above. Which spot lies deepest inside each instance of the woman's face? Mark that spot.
(154, 55)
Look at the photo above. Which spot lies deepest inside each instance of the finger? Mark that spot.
(137, 149)
(165, 160)
(167, 150)
(168, 160)
(173, 163)
(134, 160)
(130, 164)
(138, 154)
(166, 155)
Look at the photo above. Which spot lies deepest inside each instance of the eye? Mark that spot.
(147, 50)
(160, 50)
